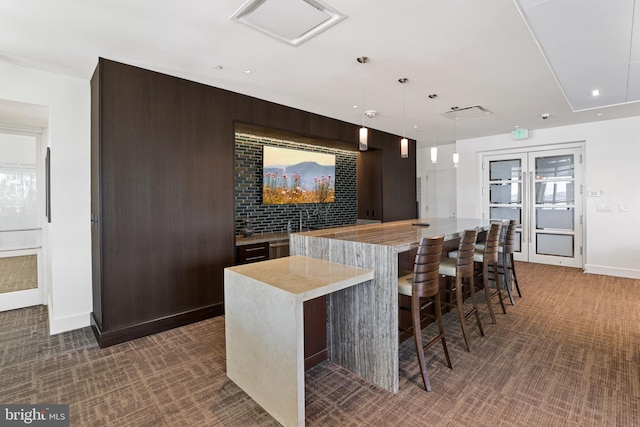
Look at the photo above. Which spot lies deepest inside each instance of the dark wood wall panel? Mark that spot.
(163, 182)
(96, 237)
(167, 185)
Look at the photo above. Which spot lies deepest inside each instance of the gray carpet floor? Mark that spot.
(568, 354)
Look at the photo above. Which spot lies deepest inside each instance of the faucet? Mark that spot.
(301, 221)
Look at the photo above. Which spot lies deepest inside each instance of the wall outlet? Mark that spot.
(604, 208)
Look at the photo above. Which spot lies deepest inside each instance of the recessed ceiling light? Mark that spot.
(217, 67)
(598, 114)
(355, 106)
(247, 71)
(415, 126)
(595, 92)
(516, 126)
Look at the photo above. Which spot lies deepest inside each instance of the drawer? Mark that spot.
(252, 253)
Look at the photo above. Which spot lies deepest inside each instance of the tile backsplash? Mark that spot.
(274, 218)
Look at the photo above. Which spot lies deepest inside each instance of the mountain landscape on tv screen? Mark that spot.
(305, 182)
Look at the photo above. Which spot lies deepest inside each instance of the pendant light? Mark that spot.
(364, 132)
(404, 142)
(434, 149)
(456, 156)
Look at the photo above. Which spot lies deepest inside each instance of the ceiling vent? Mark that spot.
(290, 21)
(467, 112)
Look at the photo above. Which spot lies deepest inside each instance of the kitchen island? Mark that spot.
(264, 330)
(366, 317)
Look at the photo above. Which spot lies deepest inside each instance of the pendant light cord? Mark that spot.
(364, 61)
(404, 116)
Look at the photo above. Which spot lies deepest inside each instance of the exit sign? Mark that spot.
(520, 133)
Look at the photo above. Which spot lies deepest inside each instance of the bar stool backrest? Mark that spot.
(490, 255)
(466, 249)
(510, 238)
(425, 269)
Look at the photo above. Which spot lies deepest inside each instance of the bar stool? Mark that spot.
(459, 269)
(505, 258)
(487, 255)
(506, 263)
(423, 288)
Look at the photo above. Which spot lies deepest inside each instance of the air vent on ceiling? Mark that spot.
(467, 112)
(291, 21)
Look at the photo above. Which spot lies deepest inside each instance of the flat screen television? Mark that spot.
(297, 176)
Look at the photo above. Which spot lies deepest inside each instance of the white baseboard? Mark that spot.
(611, 271)
(68, 323)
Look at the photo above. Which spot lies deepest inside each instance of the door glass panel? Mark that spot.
(554, 244)
(18, 201)
(555, 192)
(554, 218)
(18, 240)
(18, 273)
(506, 213)
(516, 246)
(505, 170)
(555, 167)
(505, 193)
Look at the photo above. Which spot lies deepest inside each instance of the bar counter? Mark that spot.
(368, 315)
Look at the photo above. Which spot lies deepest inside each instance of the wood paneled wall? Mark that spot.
(162, 193)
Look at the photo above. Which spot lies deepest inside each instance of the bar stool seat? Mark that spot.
(422, 286)
(457, 270)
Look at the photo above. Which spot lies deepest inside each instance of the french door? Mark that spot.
(542, 191)
(21, 213)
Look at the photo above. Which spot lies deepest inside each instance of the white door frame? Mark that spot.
(528, 235)
(30, 297)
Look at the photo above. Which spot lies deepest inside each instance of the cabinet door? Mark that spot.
(370, 185)
(278, 249)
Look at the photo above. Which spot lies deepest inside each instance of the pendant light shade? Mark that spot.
(404, 148)
(364, 136)
(364, 132)
(456, 159)
(434, 149)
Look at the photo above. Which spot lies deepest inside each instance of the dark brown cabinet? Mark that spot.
(161, 235)
(252, 253)
(370, 185)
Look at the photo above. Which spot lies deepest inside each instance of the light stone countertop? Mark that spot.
(261, 238)
(305, 277)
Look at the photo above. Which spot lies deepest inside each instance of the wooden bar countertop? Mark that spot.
(402, 235)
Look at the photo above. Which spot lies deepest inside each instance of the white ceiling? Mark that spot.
(469, 52)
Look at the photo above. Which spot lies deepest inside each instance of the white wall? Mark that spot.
(437, 182)
(611, 165)
(68, 237)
